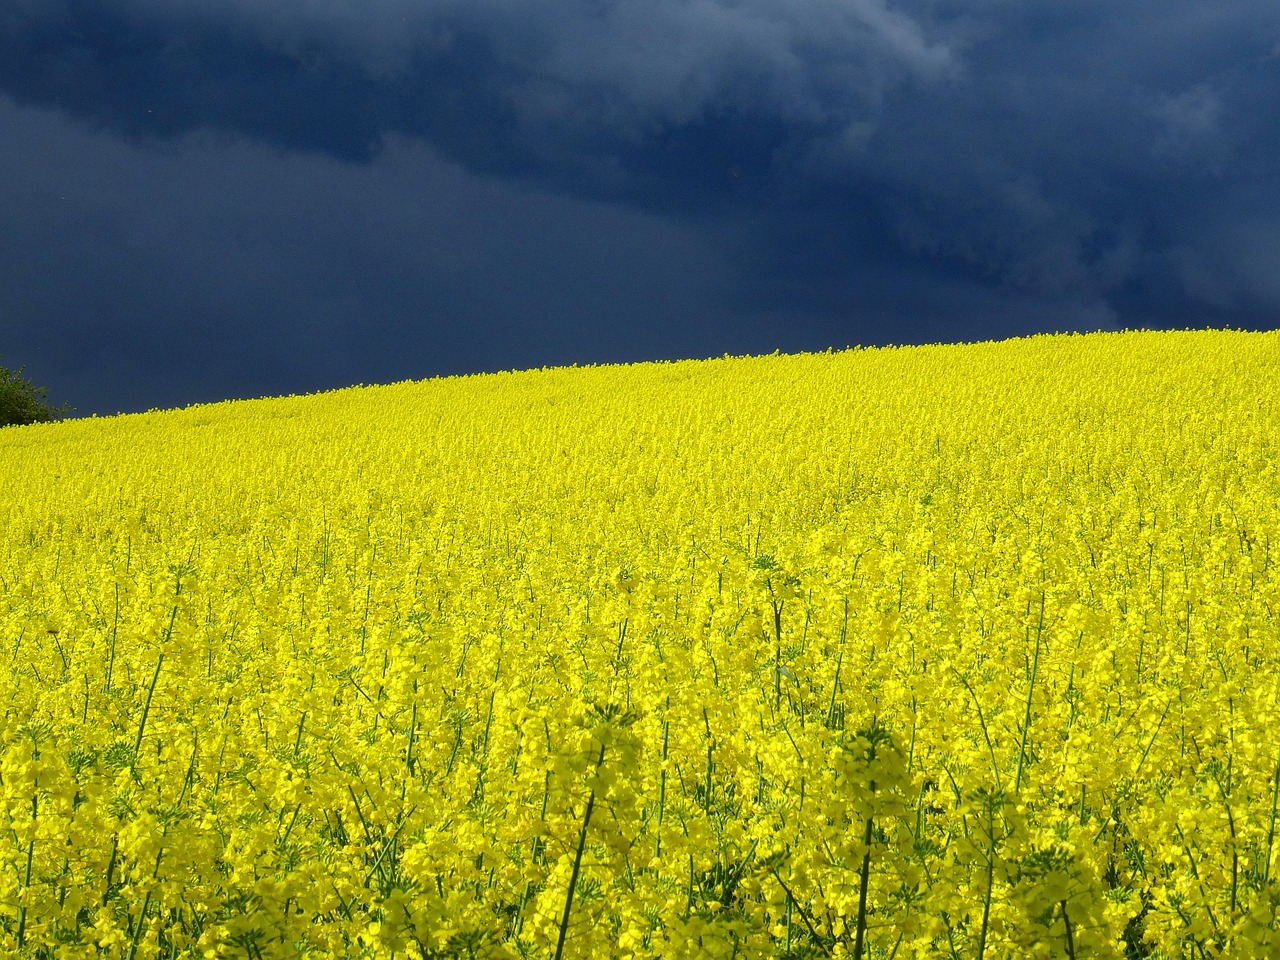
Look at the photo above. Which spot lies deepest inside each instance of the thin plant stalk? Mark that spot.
(1071, 946)
(26, 879)
(1271, 826)
(863, 879)
(1031, 689)
(146, 708)
(577, 864)
(662, 790)
(991, 870)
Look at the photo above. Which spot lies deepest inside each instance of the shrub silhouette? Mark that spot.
(22, 402)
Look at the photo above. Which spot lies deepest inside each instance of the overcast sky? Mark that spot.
(212, 199)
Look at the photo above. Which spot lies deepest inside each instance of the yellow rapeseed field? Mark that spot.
(953, 651)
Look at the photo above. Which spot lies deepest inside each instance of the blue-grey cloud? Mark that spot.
(1110, 162)
(1050, 146)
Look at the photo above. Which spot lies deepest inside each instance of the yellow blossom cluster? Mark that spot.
(951, 651)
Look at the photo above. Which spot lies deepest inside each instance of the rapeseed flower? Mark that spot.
(909, 653)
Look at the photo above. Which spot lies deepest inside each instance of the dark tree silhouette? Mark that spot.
(22, 402)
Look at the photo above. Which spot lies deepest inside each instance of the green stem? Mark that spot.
(804, 915)
(26, 879)
(982, 720)
(111, 868)
(413, 729)
(1071, 946)
(146, 706)
(137, 930)
(1271, 826)
(862, 889)
(297, 740)
(835, 683)
(991, 869)
(1026, 718)
(706, 788)
(577, 863)
(662, 789)
(111, 656)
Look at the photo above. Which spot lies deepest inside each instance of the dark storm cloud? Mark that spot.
(624, 99)
(873, 171)
(205, 271)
